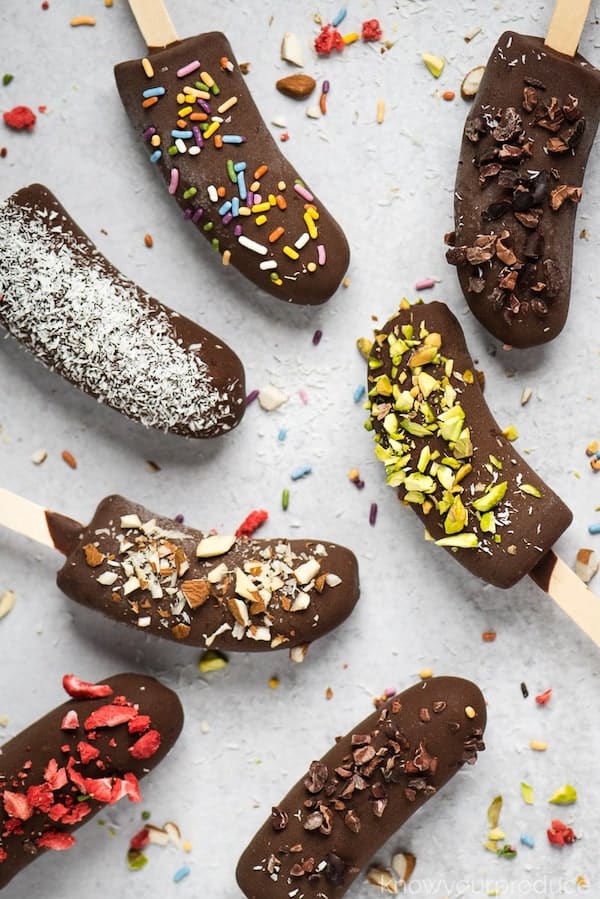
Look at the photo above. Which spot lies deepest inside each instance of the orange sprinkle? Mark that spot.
(181, 123)
(448, 95)
(221, 191)
(69, 458)
(488, 636)
(148, 240)
(82, 20)
(323, 104)
(276, 234)
(150, 101)
(281, 201)
(261, 170)
(218, 141)
(198, 117)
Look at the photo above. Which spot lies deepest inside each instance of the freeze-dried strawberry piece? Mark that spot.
(54, 776)
(132, 787)
(80, 689)
(40, 796)
(139, 724)
(99, 788)
(87, 753)
(75, 777)
(76, 814)
(70, 721)
(3, 855)
(110, 716)
(146, 746)
(53, 839)
(16, 805)
(57, 811)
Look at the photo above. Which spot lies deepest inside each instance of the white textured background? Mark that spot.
(390, 186)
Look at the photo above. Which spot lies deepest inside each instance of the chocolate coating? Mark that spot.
(477, 489)
(190, 176)
(251, 596)
(84, 320)
(26, 762)
(522, 162)
(363, 790)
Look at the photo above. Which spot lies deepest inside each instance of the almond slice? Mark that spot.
(214, 545)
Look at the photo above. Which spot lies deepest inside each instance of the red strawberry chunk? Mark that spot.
(146, 746)
(57, 811)
(55, 777)
(99, 788)
(80, 689)
(75, 777)
(139, 724)
(133, 787)
(140, 840)
(70, 721)
(87, 753)
(16, 805)
(40, 796)
(53, 839)
(3, 855)
(77, 813)
(109, 716)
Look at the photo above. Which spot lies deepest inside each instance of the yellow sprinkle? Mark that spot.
(591, 448)
(155, 140)
(187, 846)
(147, 67)
(289, 251)
(194, 92)
(214, 126)
(185, 110)
(272, 200)
(538, 745)
(274, 682)
(425, 673)
(261, 207)
(83, 20)
(226, 105)
(310, 226)
(351, 37)
(189, 98)
(245, 210)
(260, 219)
(313, 212)
(277, 281)
(226, 258)
(108, 3)
(380, 111)
(281, 185)
(353, 474)
(255, 186)
(207, 79)
(312, 266)
(346, 282)
(470, 712)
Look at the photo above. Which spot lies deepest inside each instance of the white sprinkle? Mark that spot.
(213, 196)
(252, 245)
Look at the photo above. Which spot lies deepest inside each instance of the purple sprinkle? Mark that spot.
(179, 518)
(238, 230)
(198, 214)
(250, 199)
(147, 134)
(325, 87)
(317, 337)
(197, 136)
(250, 397)
(373, 514)
(204, 106)
(227, 218)
(187, 212)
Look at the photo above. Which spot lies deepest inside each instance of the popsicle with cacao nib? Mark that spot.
(189, 103)
(363, 790)
(447, 458)
(519, 181)
(225, 591)
(86, 754)
(84, 320)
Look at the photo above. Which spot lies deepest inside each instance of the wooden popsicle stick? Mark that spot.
(39, 524)
(154, 22)
(566, 25)
(569, 593)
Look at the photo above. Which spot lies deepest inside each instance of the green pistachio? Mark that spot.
(403, 401)
(421, 482)
(383, 385)
(390, 423)
(412, 427)
(426, 383)
(491, 497)
(422, 356)
(413, 496)
(527, 793)
(530, 490)
(456, 519)
(375, 363)
(424, 459)
(445, 476)
(451, 423)
(496, 462)
(488, 523)
(463, 447)
(462, 541)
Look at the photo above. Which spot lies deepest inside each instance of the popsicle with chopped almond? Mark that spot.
(520, 179)
(86, 754)
(332, 822)
(222, 591)
(449, 461)
(193, 112)
(65, 302)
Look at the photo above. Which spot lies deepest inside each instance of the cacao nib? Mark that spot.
(509, 126)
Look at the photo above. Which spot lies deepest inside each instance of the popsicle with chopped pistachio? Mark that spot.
(331, 823)
(84, 755)
(225, 591)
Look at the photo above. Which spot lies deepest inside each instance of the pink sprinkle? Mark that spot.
(373, 514)
(187, 70)
(389, 691)
(425, 284)
(304, 193)
(303, 396)
(321, 254)
(174, 182)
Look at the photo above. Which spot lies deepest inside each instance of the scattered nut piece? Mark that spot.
(586, 565)
(471, 33)
(291, 49)
(93, 556)
(470, 83)
(148, 240)
(298, 86)
(403, 864)
(271, 397)
(7, 601)
(382, 878)
(526, 395)
(39, 456)
(435, 64)
(298, 653)
(214, 545)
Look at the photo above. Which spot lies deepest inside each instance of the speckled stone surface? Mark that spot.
(390, 186)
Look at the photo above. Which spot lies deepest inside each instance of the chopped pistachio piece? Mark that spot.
(530, 490)
(461, 541)
(491, 497)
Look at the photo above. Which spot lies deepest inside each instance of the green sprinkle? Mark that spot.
(189, 193)
(285, 499)
(173, 151)
(146, 816)
(565, 795)
(7, 78)
(231, 171)
(507, 852)
(527, 793)
(215, 244)
(208, 226)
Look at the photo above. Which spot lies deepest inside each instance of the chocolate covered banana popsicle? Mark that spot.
(356, 797)
(519, 182)
(201, 129)
(446, 455)
(204, 589)
(83, 319)
(87, 753)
